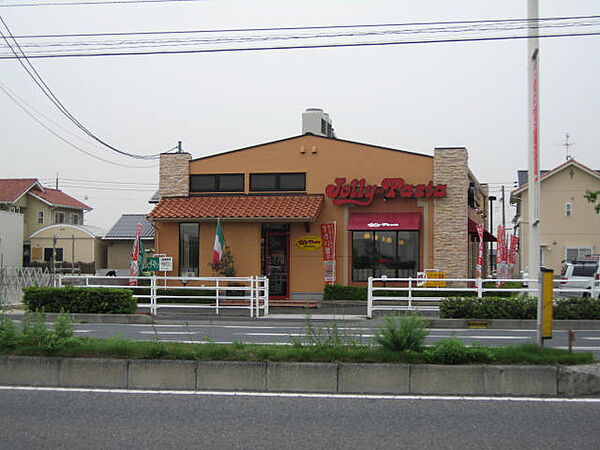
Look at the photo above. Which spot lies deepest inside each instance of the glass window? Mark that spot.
(228, 182)
(59, 217)
(573, 253)
(189, 252)
(75, 219)
(568, 209)
(391, 253)
(40, 217)
(58, 254)
(278, 182)
(263, 182)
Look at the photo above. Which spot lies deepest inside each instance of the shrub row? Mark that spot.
(339, 292)
(79, 300)
(517, 308)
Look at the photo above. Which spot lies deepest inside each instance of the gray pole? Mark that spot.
(533, 174)
(72, 254)
(503, 209)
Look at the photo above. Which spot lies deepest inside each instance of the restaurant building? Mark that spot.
(313, 207)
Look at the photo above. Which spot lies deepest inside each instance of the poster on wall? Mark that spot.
(328, 234)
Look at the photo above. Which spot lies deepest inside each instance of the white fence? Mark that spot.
(14, 279)
(407, 301)
(217, 293)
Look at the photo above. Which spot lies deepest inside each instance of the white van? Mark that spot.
(580, 278)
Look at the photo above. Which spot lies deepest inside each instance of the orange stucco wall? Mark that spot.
(322, 160)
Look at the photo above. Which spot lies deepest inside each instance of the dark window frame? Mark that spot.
(217, 182)
(373, 253)
(195, 253)
(278, 187)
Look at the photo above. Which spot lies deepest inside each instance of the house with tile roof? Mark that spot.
(119, 241)
(569, 225)
(40, 206)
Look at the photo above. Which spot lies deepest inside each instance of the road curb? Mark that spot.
(342, 378)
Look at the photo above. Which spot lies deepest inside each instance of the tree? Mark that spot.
(593, 197)
(225, 267)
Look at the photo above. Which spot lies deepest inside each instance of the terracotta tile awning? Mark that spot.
(256, 207)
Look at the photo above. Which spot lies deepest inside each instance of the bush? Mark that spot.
(79, 300)
(34, 334)
(339, 292)
(406, 333)
(454, 351)
(583, 308)
(577, 309)
(488, 308)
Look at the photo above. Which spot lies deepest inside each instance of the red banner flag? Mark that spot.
(328, 235)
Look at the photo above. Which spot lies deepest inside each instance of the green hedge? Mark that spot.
(79, 300)
(517, 308)
(339, 292)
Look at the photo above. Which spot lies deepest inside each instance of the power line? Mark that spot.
(105, 181)
(14, 99)
(197, 40)
(89, 3)
(317, 27)
(36, 77)
(298, 47)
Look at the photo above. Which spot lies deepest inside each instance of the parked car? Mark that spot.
(581, 274)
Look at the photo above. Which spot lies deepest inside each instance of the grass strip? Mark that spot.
(121, 348)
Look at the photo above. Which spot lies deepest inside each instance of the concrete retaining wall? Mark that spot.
(301, 377)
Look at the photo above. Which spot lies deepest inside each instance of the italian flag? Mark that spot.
(219, 244)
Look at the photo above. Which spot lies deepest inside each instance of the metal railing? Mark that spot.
(218, 293)
(407, 301)
(14, 279)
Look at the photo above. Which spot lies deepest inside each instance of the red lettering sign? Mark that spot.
(358, 192)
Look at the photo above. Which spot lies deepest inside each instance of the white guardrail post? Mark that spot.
(266, 294)
(479, 284)
(153, 295)
(410, 293)
(252, 298)
(217, 296)
(60, 280)
(370, 298)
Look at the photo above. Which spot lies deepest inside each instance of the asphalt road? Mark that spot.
(271, 331)
(92, 420)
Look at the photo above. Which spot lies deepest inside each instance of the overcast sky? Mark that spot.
(412, 97)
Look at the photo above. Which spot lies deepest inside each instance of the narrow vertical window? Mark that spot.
(40, 217)
(568, 209)
(189, 249)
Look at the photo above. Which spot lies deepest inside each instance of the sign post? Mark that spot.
(547, 288)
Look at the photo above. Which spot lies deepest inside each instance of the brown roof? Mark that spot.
(291, 207)
(58, 198)
(13, 188)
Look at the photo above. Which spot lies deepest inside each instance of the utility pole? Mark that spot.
(491, 198)
(179, 149)
(503, 209)
(57, 181)
(72, 254)
(533, 59)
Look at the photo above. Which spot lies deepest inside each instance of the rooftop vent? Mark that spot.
(316, 121)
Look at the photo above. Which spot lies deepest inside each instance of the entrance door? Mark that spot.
(277, 264)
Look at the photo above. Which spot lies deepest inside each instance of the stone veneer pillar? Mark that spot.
(174, 175)
(450, 234)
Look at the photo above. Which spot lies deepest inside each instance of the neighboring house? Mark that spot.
(73, 246)
(119, 240)
(569, 225)
(11, 239)
(40, 207)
